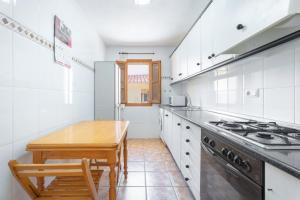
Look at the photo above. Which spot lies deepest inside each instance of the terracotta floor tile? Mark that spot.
(161, 193)
(176, 178)
(171, 166)
(135, 166)
(131, 193)
(183, 193)
(157, 179)
(134, 179)
(155, 166)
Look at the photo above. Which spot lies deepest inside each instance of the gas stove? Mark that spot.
(267, 135)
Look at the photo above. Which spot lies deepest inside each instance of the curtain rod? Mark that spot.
(127, 53)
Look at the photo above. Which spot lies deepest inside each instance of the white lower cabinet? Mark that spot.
(184, 144)
(176, 139)
(279, 185)
(167, 127)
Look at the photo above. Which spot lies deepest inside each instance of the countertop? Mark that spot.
(286, 160)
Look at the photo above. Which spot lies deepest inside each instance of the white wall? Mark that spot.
(275, 74)
(36, 94)
(145, 120)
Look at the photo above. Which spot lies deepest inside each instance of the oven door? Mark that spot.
(221, 181)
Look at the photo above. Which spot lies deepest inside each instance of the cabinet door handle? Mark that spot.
(198, 64)
(178, 124)
(209, 57)
(187, 127)
(240, 27)
(187, 140)
(187, 153)
(167, 115)
(270, 189)
(187, 166)
(179, 74)
(186, 179)
(213, 55)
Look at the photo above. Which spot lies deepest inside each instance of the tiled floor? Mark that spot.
(152, 174)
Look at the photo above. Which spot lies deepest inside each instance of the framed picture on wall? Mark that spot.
(62, 43)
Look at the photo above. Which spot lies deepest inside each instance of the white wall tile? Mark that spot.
(6, 7)
(6, 178)
(6, 68)
(26, 121)
(297, 105)
(48, 109)
(235, 76)
(27, 13)
(279, 104)
(253, 73)
(6, 111)
(253, 106)
(297, 63)
(235, 101)
(279, 67)
(26, 62)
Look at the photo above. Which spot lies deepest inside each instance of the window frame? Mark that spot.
(138, 61)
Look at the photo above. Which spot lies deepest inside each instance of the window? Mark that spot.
(140, 82)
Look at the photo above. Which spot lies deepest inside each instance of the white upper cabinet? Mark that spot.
(193, 41)
(227, 28)
(241, 20)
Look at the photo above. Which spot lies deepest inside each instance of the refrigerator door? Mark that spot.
(117, 92)
(105, 81)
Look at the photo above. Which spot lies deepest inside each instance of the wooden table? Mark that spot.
(90, 139)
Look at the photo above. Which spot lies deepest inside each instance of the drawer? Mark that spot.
(192, 183)
(188, 154)
(192, 130)
(187, 140)
(193, 170)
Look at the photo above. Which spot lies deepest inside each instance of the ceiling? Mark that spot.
(161, 23)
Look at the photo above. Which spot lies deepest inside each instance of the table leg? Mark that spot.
(112, 177)
(37, 158)
(125, 153)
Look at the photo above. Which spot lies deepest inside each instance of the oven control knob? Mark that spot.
(246, 165)
(230, 155)
(237, 160)
(224, 151)
(206, 139)
(212, 143)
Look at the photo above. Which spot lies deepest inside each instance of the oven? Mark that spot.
(228, 173)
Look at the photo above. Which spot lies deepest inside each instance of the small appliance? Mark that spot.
(177, 101)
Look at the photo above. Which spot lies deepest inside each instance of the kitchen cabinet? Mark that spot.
(183, 140)
(191, 155)
(167, 127)
(176, 139)
(210, 34)
(241, 22)
(193, 41)
(179, 63)
(280, 185)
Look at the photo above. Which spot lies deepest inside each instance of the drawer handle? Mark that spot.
(186, 179)
(270, 189)
(179, 74)
(240, 27)
(187, 153)
(187, 127)
(166, 115)
(198, 64)
(187, 140)
(178, 124)
(187, 166)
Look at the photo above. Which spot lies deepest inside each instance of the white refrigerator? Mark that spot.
(107, 91)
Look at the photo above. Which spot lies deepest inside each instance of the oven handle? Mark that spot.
(229, 168)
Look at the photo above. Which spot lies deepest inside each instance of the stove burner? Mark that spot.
(264, 135)
(263, 125)
(232, 125)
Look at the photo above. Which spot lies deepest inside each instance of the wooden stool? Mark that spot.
(72, 181)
